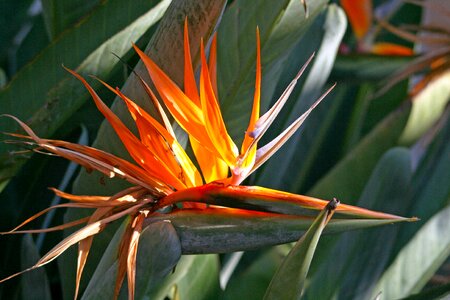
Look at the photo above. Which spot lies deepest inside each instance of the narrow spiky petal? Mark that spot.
(132, 253)
(214, 124)
(188, 115)
(267, 119)
(84, 246)
(158, 107)
(169, 150)
(92, 158)
(260, 198)
(50, 229)
(122, 256)
(248, 153)
(78, 236)
(212, 63)
(129, 195)
(160, 141)
(136, 149)
(264, 153)
(212, 166)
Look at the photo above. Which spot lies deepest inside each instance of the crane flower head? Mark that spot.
(162, 174)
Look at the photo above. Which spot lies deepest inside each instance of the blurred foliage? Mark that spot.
(388, 152)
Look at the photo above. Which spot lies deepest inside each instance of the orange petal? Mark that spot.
(85, 245)
(78, 236)
(249, 155)
(185, 112)
(157, 105)
(122, 257)
(132, 253)
(359, 14)
(214, 124)
(136, 149)
(50, 229)
(391, 49)
(213, 64)
(101, 161)
(255, 197)
(164, 145)
(158, 139)
(213, 168)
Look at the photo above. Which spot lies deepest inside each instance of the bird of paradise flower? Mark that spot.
(361, 17)
(431, 63)
(163, 174)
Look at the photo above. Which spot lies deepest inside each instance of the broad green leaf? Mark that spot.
(10, 25)
(418, 260)
(32, 44)
(294, 268)
(281, 24)
(350, 276)
(358, 116)
(440, 292)
(60, 15)
(298, 157)
(195, 277)
(357, 68)
(223, 231)
(427, 107)
(429, 190)
(100, 62)
(2, 78)
(158, 252)
(357, 165)
(256, 276)
(35, 285)
(57, 97)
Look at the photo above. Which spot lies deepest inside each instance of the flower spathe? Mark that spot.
(162, 174)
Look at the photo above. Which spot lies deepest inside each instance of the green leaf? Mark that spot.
(295, 266)
(257, 275)
(60, 15)
(427, 107)
(439, 292)
(416, 263)
(431, 162)
(35, 284)
(222, 231)
(281, 27)
(358, 164)
(10, 25)
(195, 277)
(357, 68)
(56, 98)
(349, 276)
(302, 150)
(2, 78)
